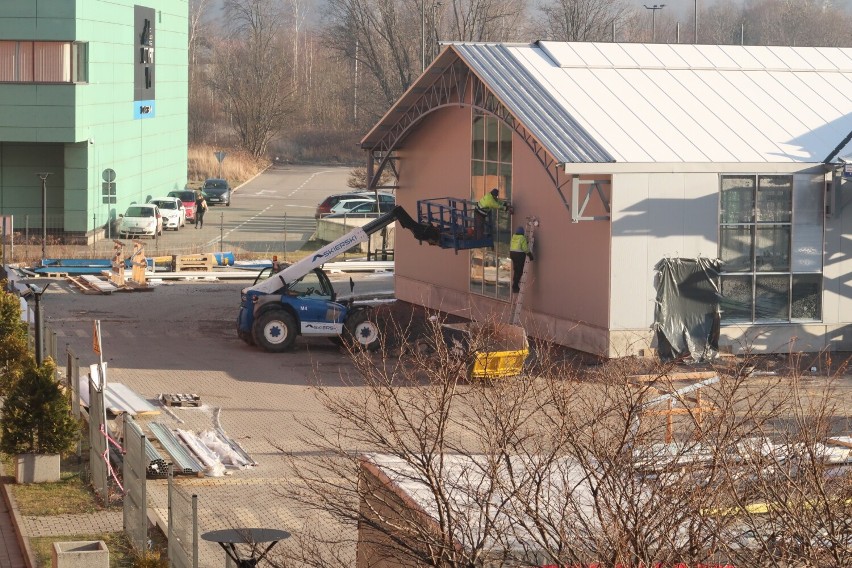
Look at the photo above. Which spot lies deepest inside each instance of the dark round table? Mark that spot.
(228, 539)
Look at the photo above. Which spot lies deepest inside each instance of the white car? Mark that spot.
(174, 213)
(141, 220)
(345, 205)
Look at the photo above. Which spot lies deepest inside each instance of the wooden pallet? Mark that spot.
(194, 262)
(89, 284)
(82, 285)
(181, 399)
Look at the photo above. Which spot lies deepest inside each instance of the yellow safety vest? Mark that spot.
(488, 202)
(519, 244)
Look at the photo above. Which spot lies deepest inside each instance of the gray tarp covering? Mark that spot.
(686, 315)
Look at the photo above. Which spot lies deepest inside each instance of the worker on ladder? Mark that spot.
(482, 210)
(519, 251)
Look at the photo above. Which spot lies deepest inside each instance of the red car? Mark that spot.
(187, 197)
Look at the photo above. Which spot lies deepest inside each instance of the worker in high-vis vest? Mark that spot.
(519, 251)
(483, 208)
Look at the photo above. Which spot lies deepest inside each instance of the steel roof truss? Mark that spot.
(451, 87)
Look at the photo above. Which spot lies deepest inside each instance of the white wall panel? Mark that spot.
(656, 216)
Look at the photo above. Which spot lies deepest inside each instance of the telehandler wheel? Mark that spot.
(275, 331)
(361, 331)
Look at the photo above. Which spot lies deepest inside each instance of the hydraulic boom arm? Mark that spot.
(343, 244)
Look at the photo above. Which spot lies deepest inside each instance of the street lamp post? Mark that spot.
(654, 9)
(695, 22)
(43, 176)
(39, 322)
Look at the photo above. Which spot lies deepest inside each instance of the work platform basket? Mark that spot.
(456, 222)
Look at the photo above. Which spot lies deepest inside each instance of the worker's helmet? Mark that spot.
(519, 231)
(495, 192)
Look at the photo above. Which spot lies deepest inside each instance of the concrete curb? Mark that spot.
(23, 541)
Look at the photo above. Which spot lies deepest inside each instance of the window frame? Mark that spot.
(73, 62)
(491, 165)
(784, 223)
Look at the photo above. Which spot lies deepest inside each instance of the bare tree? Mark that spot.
(582, 20)
(792, 493)
(197, 27)
(796, 23)
(411, 415)
(720, 23)
(416, 465)
(251, 75)
(484, 20)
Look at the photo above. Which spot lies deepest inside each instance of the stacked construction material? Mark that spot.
(183, 461)
(157, 466)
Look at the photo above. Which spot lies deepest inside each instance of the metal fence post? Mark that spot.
(195, 531)
(171, 522)
(72, 370)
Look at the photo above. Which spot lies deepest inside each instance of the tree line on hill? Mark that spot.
(304, 81)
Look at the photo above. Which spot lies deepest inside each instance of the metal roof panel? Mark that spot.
(600, 102)
(548, 120)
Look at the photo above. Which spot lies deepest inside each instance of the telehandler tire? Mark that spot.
(275, 331)
(361, 331)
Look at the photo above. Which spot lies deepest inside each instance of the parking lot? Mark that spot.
(181, 338)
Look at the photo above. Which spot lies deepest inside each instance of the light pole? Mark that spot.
(654, 9)
(695, 21)
(43, 176)
(39, 322)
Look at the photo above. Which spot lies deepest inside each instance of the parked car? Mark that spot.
(174, 213)
(218, 191)
(141, 220)
(324, 208)
(187, 197)
(345, 205)
(363, 210)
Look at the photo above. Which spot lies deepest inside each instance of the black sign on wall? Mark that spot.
(143, 54)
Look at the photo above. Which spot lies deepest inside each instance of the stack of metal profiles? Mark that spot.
(184, 461)
(157, 466)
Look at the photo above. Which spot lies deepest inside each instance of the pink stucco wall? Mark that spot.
(567, 298)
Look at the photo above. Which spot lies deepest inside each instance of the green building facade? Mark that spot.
(93, 92)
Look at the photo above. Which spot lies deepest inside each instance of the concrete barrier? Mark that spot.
(80, 554)
(329, 230)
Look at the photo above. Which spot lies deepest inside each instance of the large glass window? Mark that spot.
(43, 62)
(771, 240)
(491, 166)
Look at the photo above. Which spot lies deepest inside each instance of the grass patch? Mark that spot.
(237, 166)
(70, 495)
(120, 552)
